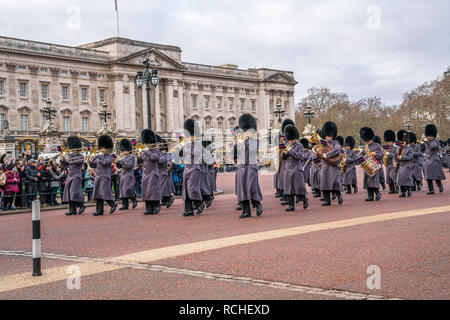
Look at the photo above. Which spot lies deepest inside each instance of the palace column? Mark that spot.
(157, 107)
(170, 125)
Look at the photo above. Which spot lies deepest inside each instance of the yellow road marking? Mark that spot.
(24, 280)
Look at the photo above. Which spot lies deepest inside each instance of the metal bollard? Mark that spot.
(36, 216)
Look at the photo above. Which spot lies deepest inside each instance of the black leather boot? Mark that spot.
(409, 192)
(135, 203)
(278, 194)
(124, 204)
(291, 204)
(82, 208)
(355, 189)
(339, 197)
(326, 197)
(200, 207)
(377, 194)
(334, 195)
(403, 190)
(317, 193)
(391, 188)
(259, 209)
(246, 211)
(369, 194)
(440, 186)
(148, 208)
(170, 202)
(99, 208)
(188, 210)
(113, 206)
(430, 187)
(349, 189)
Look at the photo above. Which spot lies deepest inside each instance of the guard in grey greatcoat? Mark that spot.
(315, 164)
(372, 150)
(208, 175)
(150, 159)
(165, 178)
(447, 154)
(432, 164)
(416, 163)
(127, 186)
(280, 179)
(330, 174)
(404, 165)
(341, 174)
(73, 191)
(103, 172)
(294, 181)
(350, 179)
(248, 189)
(391, 152)
(382, 176)
(192, 154)
(306, 156)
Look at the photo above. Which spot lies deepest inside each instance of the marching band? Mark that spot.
(326, 162)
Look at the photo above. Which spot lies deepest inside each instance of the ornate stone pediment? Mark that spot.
(280, 77)
(156, 57)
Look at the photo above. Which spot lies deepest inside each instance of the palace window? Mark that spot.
(24, 122)
(43, 70)
(230, 104)
(64, 72)
(194, 102)
(22, 68)
(85, 124)
(44, 91)
(242, 105)
(206, 103)
(84, 94)
(2, 121)
(219, 103)
(207, 125)
(1, 88)
(83, 74)
(65, 93)
(253, 106)
(66, 121)
(102, 95)
(219, 126)
(23, 90)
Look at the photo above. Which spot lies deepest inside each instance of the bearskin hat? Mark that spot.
(304, 142)
(431, 131)
(329, 129)
(291, 132)
(366, 134)
(401, 134)
(286, 123)
(389, 136)
(247, 122)
(148, 136)
(340, 140)
(125, 145)
(74, 143)
(412, 138)
(105, 142)
(377, 139)
(191, 126)
(350, 142)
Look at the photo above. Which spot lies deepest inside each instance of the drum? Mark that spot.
(372, 166)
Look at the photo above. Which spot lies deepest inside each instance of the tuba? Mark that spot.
(319, 150)
(342, 164)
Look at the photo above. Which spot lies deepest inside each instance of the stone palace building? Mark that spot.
(79, 80)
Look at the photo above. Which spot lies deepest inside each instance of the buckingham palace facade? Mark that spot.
(79, 80)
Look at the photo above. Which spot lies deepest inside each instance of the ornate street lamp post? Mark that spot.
(104, 115)
(309, 114)
(408, 125)
(49, 113)
(279, 112)
(149, 77)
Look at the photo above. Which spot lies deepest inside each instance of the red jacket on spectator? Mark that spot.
(12, 186)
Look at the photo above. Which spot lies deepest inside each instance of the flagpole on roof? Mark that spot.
(117, 16)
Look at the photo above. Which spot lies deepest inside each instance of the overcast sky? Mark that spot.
(362, 48)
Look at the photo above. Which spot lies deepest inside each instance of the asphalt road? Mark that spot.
(318, 253)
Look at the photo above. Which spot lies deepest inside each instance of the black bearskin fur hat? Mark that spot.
(105, 142)
(74, 143)
(401, 134)
(304, 142)
(377, 139)
(329, 129)
(291, 132)
(340, 140)
(286, 123)
(148, 136)
(366, 134)
(389, 136)
(431, 131)
(125, 145)
(206, 143)
(412, 137)
(247, 122)
(191, 126)
(350, 142)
